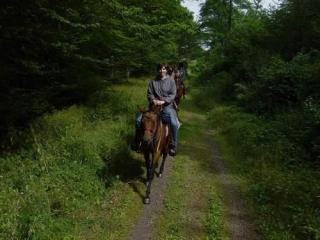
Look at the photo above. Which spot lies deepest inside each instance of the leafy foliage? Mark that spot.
(285, 195)
(58, 53)
(266, 68)
(265, 64)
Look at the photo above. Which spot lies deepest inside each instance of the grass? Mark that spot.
(76, 179)
(71, 179)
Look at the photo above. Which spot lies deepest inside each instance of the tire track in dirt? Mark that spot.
(238, 221)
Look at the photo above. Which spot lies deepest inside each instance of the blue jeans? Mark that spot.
(168, 116)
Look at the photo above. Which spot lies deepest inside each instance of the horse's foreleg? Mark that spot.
(164, 156)
(150, 173)
(148, 164)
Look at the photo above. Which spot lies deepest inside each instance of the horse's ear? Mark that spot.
(153, 107)
(142, 109)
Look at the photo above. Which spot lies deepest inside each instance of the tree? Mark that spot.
(55, 53)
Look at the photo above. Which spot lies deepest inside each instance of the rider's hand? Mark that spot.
(158, 102)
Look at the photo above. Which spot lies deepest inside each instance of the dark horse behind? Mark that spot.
(181, 91)
(155, 143)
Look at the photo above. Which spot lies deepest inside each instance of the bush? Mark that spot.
(249, 135)
(281, 86)
(283, 188)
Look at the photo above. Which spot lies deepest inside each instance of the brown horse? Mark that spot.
(155, 143)
(180, 88)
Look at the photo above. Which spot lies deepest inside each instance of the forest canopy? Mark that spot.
(55, 53)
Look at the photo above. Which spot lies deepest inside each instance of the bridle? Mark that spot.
(154, 130)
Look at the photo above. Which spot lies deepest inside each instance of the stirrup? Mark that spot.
(179, 123)
(172, 152)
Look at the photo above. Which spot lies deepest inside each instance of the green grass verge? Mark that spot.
(71, 179)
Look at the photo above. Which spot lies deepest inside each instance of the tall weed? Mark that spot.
(65, 167)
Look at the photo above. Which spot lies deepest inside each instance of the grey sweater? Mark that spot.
(162, 89)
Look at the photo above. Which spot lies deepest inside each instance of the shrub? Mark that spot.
(283, 188)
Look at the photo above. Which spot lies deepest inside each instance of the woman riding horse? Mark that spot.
(152, 133)
(161, 92)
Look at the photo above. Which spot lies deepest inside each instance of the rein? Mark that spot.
(156, 130)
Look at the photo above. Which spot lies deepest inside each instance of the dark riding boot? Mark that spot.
(172, 147)
(136, 144)
(172, 150)
(175, 106)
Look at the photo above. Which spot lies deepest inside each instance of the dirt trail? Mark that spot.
(151, 212)
(238, 222)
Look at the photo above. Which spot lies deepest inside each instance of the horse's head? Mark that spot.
(179, 88)
(176, 76)
(150, 121)
(177, 79)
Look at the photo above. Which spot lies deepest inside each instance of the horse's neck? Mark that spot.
(160, 139)
(160, 129)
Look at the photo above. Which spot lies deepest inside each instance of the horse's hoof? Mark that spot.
(160, 175)
(146, 201)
